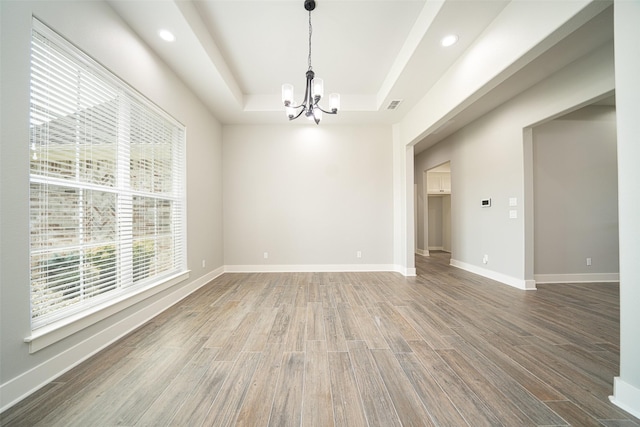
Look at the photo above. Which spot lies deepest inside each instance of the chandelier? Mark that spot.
(314, 91)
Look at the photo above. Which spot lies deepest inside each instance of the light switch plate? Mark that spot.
(513, 214)
(513, 201)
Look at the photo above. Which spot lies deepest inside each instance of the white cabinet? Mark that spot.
(438, 182)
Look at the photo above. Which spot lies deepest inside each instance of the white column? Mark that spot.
(403, 211)
(627, 64)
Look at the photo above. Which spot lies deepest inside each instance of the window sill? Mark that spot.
(50, 334)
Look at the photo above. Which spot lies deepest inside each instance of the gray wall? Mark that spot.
(439, 234)
(97, 30)
(435, 222)
(488, 161)
(446, 223)
(309, 196)
(575, 180)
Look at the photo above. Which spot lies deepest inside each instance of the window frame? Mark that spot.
(87, 310)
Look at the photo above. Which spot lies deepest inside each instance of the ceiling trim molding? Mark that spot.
(417, 33)
(199, 29)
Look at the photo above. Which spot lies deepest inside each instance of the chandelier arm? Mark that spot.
(299, 113)
(296, 106)
(325, 111)
(307, 97)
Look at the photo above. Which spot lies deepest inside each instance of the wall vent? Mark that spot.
(394, 104)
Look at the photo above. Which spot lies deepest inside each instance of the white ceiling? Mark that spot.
(236, 54)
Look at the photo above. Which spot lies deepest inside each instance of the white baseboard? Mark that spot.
(422, 252)
(58, 331)
(27, 383)
(493, 275)
(577, 278)
(408, 272)
(320, 268)
(626, 396)
(436, 248)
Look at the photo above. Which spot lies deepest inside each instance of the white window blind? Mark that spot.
(107, 193)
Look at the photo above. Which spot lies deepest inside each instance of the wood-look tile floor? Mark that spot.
(446, 348)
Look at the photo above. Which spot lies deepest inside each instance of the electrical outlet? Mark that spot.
(588, 261)
(359, 254)
(266, 255)
(485, 259)
(204, 263)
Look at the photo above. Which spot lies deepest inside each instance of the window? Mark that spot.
(107, 192)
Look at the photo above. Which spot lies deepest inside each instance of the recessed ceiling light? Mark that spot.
(449, 40)
(166, 35)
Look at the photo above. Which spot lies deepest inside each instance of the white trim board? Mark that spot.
(306, 268)
(577, 278)
(439, 249)
(626, 396)
(319, 268)
(407, 272)
(523, 284)
(18, 388)
(58, 331)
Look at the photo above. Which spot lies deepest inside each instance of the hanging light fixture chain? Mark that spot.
(310, 32)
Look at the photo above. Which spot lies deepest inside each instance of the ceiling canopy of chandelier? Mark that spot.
(313, 92)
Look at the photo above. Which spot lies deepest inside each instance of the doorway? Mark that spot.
(571, 228)
(437, 209)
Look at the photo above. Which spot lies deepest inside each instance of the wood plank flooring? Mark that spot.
(446, 348)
